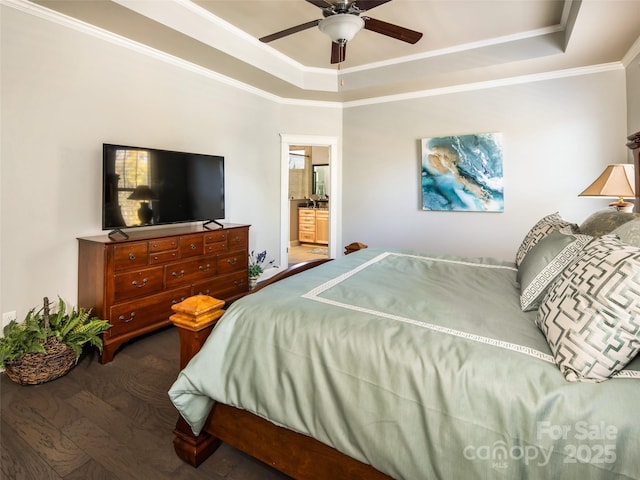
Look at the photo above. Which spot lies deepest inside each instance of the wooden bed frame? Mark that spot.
(294, 454)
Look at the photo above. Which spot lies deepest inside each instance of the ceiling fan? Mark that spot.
(342, 21)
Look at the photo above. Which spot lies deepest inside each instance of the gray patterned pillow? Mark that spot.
(544, 227)
(544, 262)
(629, 233)
(603, 222)
(591, 314)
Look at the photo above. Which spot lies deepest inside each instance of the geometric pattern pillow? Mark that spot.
(544, 227)
(591, 314)
(544, 263)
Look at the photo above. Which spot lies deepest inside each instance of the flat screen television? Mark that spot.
(147, 186)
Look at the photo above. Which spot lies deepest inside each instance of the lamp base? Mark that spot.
(622, 206)
(145, 214)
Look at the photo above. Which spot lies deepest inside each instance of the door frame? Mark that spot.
(335, 199)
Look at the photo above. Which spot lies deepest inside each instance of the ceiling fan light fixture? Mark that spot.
(341, 27)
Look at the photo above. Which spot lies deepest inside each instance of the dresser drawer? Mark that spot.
(210, 248)
(238, 240)
(223, 287)
(191, 245)
(181, 273)
(138, 283)
(233, 262)
(163, 244)
(307, 236)
(215, 236)
(130, 316)
(163, 257)
(130, 255)
(307, 227)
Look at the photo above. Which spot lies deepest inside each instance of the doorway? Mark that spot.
(310, 194)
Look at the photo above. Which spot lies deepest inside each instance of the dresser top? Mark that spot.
(150, 233)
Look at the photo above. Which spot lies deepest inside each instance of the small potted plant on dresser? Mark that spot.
(256, 267)
(48, 345)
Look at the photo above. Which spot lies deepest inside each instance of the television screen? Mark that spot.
(146, 186)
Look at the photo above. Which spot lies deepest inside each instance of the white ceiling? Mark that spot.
(464, 42)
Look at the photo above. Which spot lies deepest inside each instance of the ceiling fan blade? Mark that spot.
(289, 31)
(338, 52)
(391, 30)
(320, 3)
(369, 4)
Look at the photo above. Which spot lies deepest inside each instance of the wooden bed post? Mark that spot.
(195, 317)
(634, 145)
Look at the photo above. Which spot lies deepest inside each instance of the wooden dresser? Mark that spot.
(132, 283)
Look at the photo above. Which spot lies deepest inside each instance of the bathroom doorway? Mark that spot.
(309, 203)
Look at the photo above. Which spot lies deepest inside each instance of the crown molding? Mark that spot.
(503, 82)
(632, 53)
(55, 17)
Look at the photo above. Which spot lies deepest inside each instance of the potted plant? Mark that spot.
(47, 345)
(256, 269)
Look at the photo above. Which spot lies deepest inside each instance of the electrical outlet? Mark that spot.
(7, 317)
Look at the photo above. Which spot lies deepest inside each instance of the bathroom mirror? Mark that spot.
(320, 180)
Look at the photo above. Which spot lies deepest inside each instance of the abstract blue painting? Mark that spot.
(463, 173)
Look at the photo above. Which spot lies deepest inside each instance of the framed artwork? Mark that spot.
(463, 173)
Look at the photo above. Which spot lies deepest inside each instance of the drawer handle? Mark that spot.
(124, 319)
(232, 261)
(206, 292)
(238, 283)
(237, 239)
(176, 274)
(192, 246)
(144, 282)
(174, 301)
(132, 257)
(204, 268)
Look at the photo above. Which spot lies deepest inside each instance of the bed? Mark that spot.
(401, 364)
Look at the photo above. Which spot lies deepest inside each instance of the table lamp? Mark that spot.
(144, 194)
(617, 180)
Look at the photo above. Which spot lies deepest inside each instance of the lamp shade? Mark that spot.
(141, 192)
(616, 181)
(341, 27)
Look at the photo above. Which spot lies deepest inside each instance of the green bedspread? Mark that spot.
(423, 367)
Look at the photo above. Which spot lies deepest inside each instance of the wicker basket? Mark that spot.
(36, 368)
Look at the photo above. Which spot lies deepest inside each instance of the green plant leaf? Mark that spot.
(75, 327)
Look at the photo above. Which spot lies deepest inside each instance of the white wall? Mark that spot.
(65, 93)
(633, 96)
(557, 136)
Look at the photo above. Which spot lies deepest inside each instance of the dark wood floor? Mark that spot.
(110, 421)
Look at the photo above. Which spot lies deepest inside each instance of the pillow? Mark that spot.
(605, 221)
(544, 227)
(591, 314)
(629, 233)
(544, 262)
